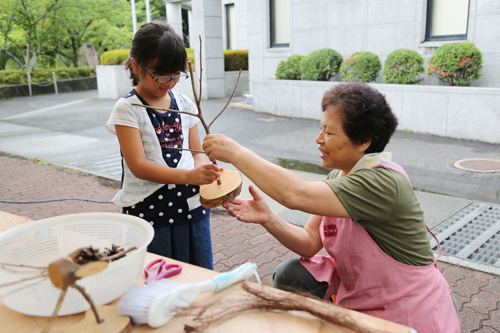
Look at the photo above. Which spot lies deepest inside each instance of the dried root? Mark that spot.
(258, 298)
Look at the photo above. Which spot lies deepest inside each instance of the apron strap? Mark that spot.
(400, 170)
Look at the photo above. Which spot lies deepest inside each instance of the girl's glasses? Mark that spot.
(167, 79)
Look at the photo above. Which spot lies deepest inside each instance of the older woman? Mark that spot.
(365, 214)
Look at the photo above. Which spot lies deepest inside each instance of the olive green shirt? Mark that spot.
(382, 200)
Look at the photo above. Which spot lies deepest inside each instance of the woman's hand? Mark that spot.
(253, 211)
(204, 174)
(220, 147)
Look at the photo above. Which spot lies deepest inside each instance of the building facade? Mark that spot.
(378, 26)
(273, 30)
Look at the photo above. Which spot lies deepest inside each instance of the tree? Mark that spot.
(29, 18)
(30, 29)
(97, 21)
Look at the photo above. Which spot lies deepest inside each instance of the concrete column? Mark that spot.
(174, 16)
(207, 23)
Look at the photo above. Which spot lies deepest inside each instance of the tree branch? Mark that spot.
(230, 98)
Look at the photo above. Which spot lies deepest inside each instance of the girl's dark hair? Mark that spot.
(156, 40)
(365, 114)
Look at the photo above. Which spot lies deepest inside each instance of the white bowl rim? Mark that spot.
(81, 217)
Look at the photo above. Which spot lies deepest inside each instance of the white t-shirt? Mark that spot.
(125, 114)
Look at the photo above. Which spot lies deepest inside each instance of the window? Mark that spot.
(280, 23)
(230, 27)
(447, 20)
(185, 26)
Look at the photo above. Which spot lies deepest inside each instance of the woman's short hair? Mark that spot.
(157, 41)
(365, 114)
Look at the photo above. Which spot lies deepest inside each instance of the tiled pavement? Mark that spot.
(477, 293)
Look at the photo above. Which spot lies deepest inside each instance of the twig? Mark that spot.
(42, 275)
(164, 109)
(197, 99)
(230, 98)
(91, 302)
(193, 150)
(201, 71)
(21, 265)
(23, 287)
(56, 311)
(190, 66)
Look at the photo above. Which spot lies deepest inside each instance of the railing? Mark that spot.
(44, 84)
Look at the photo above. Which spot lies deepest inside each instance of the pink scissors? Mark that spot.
(161, 271)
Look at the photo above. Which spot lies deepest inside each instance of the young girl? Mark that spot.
(147, 137)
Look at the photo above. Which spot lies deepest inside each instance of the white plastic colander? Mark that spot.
(41, 242)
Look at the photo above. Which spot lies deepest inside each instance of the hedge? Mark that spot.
(403, 66)
(362, 66)
(456, 64)
(320, 65)
(9, 77)
(234, 60)
(289, 69)
(114, 57)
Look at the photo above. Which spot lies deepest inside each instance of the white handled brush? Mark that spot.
(158, 301)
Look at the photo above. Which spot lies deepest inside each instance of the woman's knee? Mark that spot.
(291, 275)
(286, 273)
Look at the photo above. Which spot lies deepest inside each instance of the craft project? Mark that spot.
(229, 184)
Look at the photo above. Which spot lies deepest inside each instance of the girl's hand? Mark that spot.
(219, 147)
(253, 211)
(204, 174)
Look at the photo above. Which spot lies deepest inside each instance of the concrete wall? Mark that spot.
(378, 26)
(113, 81)
(457, 112)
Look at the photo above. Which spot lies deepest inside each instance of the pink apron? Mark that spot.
(366, 279)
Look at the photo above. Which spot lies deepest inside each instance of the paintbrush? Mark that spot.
(158, 301)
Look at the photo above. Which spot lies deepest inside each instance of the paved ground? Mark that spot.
(68, 129)
(477, 293)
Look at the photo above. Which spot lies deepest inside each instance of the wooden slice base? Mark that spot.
(214, 195)
(113, 322)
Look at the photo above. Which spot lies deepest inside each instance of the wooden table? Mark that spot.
(262, 322)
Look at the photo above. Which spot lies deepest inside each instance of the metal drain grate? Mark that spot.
(471, 234)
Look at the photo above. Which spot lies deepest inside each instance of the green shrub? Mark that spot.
(114, 57)
(320, 65)
(234, 60)
(289, 69)
(362, 66)
(41, 76)
(62, 74)
(403, 66)
(456, 64)
(8, 77)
